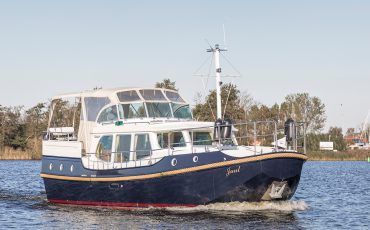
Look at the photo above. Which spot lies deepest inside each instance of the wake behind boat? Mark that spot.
(140, 147)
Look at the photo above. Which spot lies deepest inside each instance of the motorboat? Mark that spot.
(141, 147)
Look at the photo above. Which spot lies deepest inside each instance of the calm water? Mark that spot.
(331, 195)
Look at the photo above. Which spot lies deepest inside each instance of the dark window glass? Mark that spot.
(123, 143)
(181, 111)
(127, 96)
(202, 138)
(174, 97)
(142, 146)
(104, 148)
(177, 140)
(108, 114)
(152, 95)
(134, 110)
(159, 109)
(163, 140)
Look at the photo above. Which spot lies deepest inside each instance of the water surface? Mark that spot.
(331, 195)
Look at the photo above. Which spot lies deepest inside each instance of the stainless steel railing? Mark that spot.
(247, 134)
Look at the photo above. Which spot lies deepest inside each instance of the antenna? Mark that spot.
(223, 28)
(210, 46)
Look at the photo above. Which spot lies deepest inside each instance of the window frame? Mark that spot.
(130, 143)
(181, 105)
(194, 142)
(159, 102)
(119, 106)
(170, 136)
(134, 142)
(102, 110)
(98, 153)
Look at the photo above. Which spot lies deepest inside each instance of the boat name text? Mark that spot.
(230, 171)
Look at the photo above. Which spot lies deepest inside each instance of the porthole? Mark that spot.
(174, 162)
(51, 166)
(72, 168)
(195, 159)
(61, 167)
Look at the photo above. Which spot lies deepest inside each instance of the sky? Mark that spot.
(279, 47)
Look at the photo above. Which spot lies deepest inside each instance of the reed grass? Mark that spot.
(349, 155)
(17, 154)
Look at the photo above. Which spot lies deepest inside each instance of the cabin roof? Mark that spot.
(105, 92)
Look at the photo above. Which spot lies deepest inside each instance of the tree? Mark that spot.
(350, 132)
(166, 84)
(246, 102)
(230, 103)
(302, 107)
(336, 136)
(36, 123)
(12, 127)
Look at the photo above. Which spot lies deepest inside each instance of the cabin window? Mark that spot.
(142, 146)
(202, 138)
(174, 97)
(94, 105)
(127, 96)
(176, 140)
(133, 110)
(158, 109)
(152, 95)
(162, 140)
(104, 148)
(123, 143)
(181, 111)
(109, 114)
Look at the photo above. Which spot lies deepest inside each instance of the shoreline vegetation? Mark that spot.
(21, 129)
(349, 155)
(16, 154)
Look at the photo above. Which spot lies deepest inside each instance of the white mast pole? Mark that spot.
(218, 81)
(216, 51)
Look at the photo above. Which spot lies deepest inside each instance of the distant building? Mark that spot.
(357, 141)
(327, 145)
(355, 138)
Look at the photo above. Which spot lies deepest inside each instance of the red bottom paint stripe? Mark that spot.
(119, 204)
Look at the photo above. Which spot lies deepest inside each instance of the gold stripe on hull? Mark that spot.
(179, 171)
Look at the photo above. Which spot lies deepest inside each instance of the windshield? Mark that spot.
(128, 96)
(109, 114)
(152, 95)
(174, 97)
(181, 111)
(159, 109)
(133, 110)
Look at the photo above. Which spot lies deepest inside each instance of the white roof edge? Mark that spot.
(105, 92)
(69, 95)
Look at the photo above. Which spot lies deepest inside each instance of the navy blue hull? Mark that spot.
(250, 181)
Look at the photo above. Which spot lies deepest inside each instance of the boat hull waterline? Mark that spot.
(273, 176)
